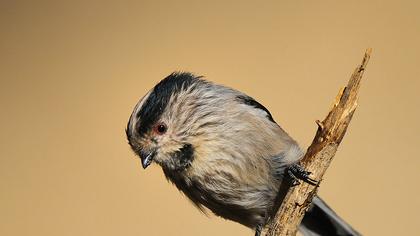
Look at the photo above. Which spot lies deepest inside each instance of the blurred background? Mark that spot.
(72, 71)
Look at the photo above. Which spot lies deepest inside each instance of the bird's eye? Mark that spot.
(160, 128)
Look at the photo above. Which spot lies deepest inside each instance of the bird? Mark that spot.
(224, 151)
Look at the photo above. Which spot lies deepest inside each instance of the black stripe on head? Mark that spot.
(251, 102)
(158, 99)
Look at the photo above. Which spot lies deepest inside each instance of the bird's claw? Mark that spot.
(258, 230)
(296, 172)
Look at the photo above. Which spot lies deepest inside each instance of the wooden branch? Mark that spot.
(294, 201)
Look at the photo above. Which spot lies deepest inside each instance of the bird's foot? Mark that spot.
(296, 172)
(258, 230)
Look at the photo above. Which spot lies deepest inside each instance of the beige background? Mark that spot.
(71, 73)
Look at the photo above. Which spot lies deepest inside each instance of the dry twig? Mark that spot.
(318, 157)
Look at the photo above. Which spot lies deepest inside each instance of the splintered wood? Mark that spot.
(288, 213)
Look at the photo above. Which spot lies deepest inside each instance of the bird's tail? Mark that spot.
(320, 220)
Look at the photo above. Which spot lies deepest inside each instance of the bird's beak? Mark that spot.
(146, 158)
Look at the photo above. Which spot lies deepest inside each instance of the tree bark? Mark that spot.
(295, 200)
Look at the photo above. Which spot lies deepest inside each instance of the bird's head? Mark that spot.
(163, 123)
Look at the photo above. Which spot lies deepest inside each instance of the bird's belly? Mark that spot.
(237, 205)
(227, 197)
